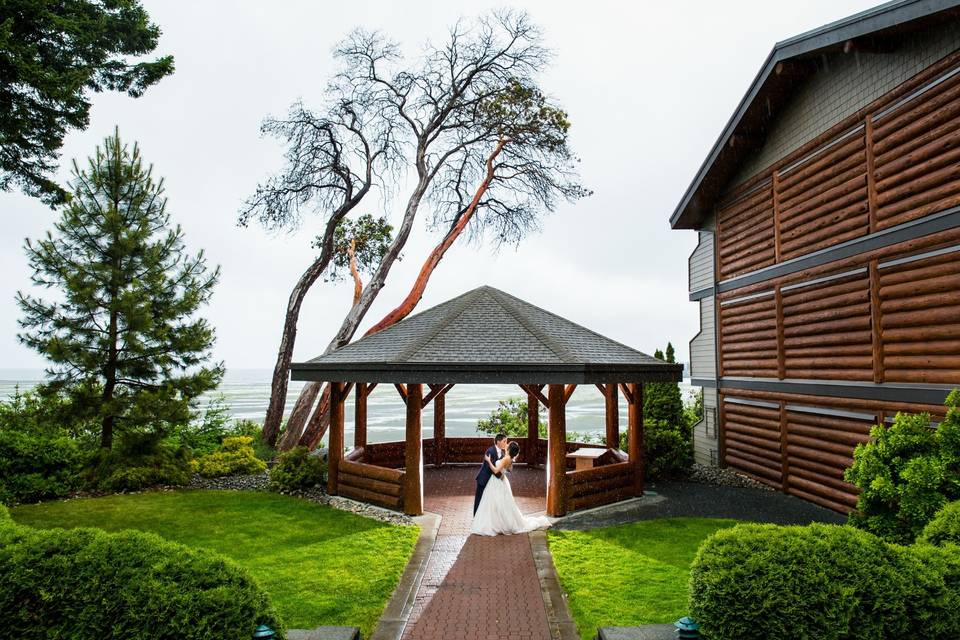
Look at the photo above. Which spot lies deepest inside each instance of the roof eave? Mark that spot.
(486, 372)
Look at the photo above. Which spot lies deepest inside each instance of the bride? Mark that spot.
(498, 511)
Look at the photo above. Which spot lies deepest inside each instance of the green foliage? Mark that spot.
(372, 237)
(629, 575)
(313, 561)
(821, 581)
(86, 583)
(38, 457)
(123, 340)
(662, 401)
(669, 452)
(906, 473)
(296, 470)
(261, 449)
(944, 528)
(140, 460)
(204, 434)
(53, 56)
(235, 456)
(510, 417)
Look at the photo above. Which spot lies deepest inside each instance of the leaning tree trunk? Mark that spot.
(320, 420)
(301, 410)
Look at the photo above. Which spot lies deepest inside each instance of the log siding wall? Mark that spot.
(886, 316)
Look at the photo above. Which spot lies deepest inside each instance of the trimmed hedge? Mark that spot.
(88, 584)
(36, 466)
(824, 582)
(945, 526)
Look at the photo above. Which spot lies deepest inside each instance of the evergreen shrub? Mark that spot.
(87, 584)
(235, 456)
(821, 581)
(296, 470)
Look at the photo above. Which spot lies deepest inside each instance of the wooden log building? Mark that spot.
(485, 336)
(828, 266)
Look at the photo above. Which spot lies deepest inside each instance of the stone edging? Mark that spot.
(395, 615)
(559, 619)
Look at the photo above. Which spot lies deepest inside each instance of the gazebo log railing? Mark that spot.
(380, 473)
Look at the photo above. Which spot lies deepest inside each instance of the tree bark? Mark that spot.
(318, 424)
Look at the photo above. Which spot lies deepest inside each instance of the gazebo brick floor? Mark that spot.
(477, 586)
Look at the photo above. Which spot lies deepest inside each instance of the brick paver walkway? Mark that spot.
(477, 586)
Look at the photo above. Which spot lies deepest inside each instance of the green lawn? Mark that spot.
(320, 566)
(630, 574)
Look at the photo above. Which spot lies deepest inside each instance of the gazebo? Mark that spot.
(485, 336)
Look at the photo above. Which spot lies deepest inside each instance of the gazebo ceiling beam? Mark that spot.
(536, 390)
(436, 390)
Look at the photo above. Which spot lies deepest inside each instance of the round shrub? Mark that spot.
(37, 466)
(945, 526)
(89, 584)
(296, 470)
(235, 456)
(819, 581)
(137, 461)
(906, 473)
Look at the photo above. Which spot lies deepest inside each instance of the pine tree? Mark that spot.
(121, 335)
(662, 400)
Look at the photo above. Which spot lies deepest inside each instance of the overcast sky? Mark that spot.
(648, 87)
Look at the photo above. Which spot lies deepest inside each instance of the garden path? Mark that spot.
(478, 587)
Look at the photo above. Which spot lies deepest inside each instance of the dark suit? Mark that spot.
(483, 476)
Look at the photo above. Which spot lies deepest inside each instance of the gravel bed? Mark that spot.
(259, 482)
(704, 474)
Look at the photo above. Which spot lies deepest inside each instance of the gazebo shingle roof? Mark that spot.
(486, 335)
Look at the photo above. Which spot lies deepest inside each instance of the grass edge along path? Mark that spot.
(630, 574)
(320, 566)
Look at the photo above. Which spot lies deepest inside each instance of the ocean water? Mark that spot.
(245, 392)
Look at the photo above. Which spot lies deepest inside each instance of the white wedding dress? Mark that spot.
(498, 512)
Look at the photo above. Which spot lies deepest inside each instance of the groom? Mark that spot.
(493, 454)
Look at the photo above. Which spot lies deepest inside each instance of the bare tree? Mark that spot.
(474, 116)
(332, 162)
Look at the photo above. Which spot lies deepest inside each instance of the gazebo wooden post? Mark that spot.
(556, 452)
(413, 476)
(335, 450)
(610, 397)
(635, 436)
(439, 429)
(360, 416)
(533, 430)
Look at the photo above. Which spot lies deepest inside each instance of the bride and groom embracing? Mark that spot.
(494, 509)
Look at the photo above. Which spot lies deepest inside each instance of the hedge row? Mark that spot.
(822, 582)
(89, 584)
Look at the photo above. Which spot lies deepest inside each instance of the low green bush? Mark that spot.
(261, 449)
(944, 528)
(906, 473)
(39, 459)
(235, 456)
(296, 470)
(139, 460)
(36, 467)
(669, 451)
(87, 584)
(821, 581)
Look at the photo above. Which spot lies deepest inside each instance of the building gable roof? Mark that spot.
(789, 62)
